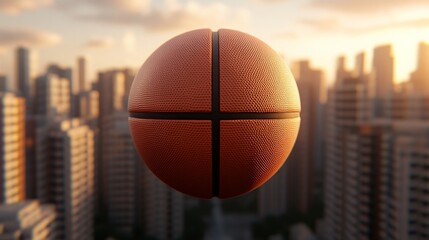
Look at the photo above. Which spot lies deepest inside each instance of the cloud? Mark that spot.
(321, 23)
(334, 25)
(366, 6)
(168, 15)
(410, 23)
(17, 6)
(311, 26)
(27, 37)
(287, 35)
(270, 1)
(99, 43)
(122, 5)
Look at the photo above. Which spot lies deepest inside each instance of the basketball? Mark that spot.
(214, 114)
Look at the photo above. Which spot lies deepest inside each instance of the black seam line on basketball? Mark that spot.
(209, 115)
(215, 115)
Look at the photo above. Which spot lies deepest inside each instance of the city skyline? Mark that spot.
(69, 168)
(123, 33)
(92, 122)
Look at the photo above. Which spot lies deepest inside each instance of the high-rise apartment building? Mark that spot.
(89, 105)
(52, 96)
(404, 193)
(111, 85)
(163, 208)
(61, 72)
(350, 154)
(111, 88)
(27, 220)
(305, 162)
(376, 169)
(12, 148)
(351, 164)
(294, 185)
(121, 176)
(65, 175)
(133, 198)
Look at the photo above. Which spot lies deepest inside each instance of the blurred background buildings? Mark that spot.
(359, 169)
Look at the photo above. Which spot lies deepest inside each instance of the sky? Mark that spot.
(120, 33)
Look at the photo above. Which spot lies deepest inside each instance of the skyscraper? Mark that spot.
(376, 166)
(420, 77)
(61, 72)
(162, 207)
(66, 74)
(88, 105)
(293, 187)
(24, 84)
(304, 164)
(3, 83)
(81, 74)
(342, 72)
(111, 87)
(12, 148)
(27, 220)
(65, 175)
(351, 153)
(359, 70)
(404, 181)
(132, 197)
(52, 96)
(121, 175)
(112, 91)
(382, 72)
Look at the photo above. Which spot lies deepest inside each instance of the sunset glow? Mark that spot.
(123, 33)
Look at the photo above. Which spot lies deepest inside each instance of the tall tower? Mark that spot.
(351, 164)
(360, 65)
(111, 87)
(65, 175)
(382, 72)
(294, 185)
(12, 148)
(420, 77)
(342, 72)
(404, 194)
(81, 74)
(305, 162)
(121, 177)
(3, 83)
(163, 208)
(24, 86)
(132, 197)
(23, 81)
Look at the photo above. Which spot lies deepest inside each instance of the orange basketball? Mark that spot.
(214, 114)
